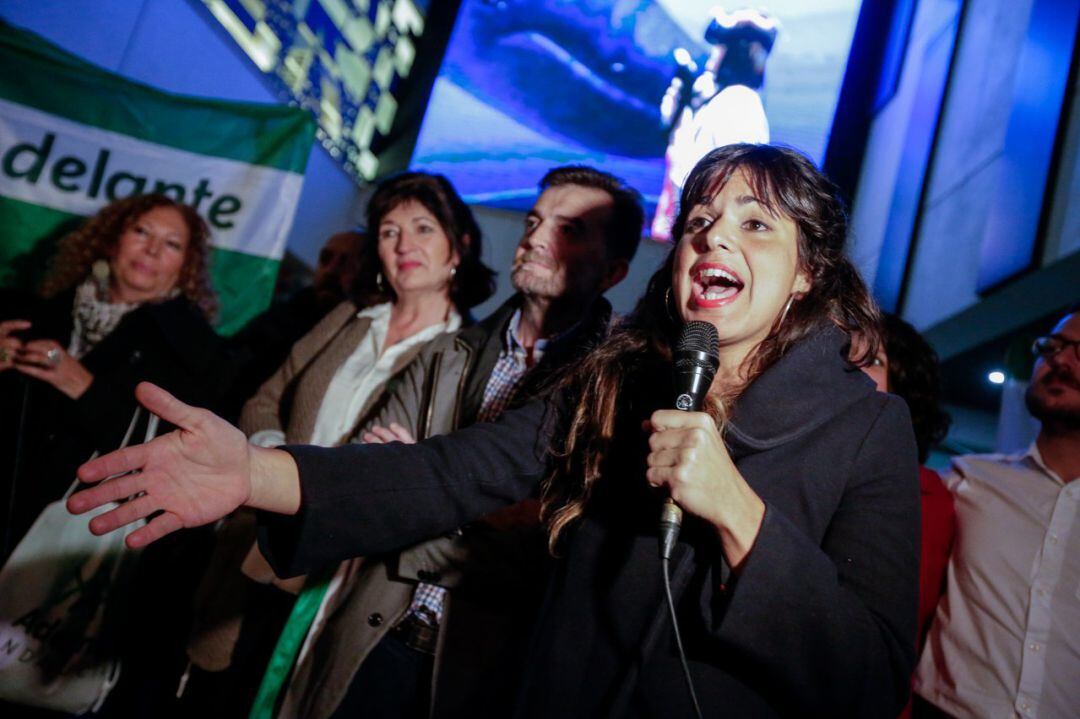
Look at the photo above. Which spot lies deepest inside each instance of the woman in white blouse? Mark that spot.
(422, 266)
(419, 272)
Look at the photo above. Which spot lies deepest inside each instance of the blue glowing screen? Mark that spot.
(530, 84)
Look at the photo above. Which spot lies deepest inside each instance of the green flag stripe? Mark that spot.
(244, 283)
(28, 236)
(41, 75)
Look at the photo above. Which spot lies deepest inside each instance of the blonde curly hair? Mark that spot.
(97, 237)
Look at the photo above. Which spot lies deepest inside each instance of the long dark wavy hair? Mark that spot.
(786, 183)
(473, 282)
(915, 376)
(96, 239)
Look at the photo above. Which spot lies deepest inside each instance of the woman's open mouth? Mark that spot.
(714, 285)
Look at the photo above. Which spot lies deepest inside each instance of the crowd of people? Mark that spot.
(423, 514)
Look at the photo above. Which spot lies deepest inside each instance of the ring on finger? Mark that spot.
(53, 357)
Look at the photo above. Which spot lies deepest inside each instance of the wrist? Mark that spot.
(80, 385)
(738, 534)
(273, 481)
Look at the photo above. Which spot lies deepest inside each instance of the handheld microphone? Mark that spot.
(696, 359)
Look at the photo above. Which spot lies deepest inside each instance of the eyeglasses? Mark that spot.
(1049, 346)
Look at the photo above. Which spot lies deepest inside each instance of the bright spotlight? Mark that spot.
(996, 377)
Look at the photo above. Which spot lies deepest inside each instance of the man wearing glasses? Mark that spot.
(1005, 641)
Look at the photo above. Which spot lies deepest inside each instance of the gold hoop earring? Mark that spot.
(672, 315)
(787, 307)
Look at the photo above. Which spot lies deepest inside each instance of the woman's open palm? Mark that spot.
(192, 476)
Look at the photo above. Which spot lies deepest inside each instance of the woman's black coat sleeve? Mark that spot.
(360, 500)
(834, 625)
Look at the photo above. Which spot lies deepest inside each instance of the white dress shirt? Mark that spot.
(343, 397)
(366, 371)
(1005, 641)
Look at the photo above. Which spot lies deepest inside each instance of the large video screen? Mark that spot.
(530, 84)
(345, 62)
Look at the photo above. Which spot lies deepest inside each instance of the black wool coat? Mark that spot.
(820, 620)
(45, 436)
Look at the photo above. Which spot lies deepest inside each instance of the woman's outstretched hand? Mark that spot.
(194, 475)
(687, 455)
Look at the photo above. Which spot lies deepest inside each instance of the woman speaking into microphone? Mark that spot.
(795, 577)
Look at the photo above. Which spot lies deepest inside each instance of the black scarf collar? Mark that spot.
(810, 384)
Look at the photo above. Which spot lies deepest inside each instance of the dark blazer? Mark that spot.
(820, 620)
(168, 343)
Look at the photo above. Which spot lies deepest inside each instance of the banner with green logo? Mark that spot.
(74, 137)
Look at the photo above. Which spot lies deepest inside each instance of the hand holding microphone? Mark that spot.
(688, 456)
(696, 358)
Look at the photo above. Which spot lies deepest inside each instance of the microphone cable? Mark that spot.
(664, 565)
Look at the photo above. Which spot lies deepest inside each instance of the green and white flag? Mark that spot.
(74, 137)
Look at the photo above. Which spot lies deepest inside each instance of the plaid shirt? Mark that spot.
(514, 361)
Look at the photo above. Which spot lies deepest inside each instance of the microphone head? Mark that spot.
(699, 336)
(697, 357)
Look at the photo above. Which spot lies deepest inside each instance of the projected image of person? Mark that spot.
(795, 579)
(525, 81)
(720, 105)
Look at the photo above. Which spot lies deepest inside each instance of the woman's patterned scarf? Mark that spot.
(95, 317)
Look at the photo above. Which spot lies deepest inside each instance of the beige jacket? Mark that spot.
(289, 401)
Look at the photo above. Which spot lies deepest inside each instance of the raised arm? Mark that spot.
(408, 493)
(349, 501)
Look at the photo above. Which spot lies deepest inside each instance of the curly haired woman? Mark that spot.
(126, 299)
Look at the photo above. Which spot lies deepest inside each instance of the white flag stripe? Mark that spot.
(258, 202)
